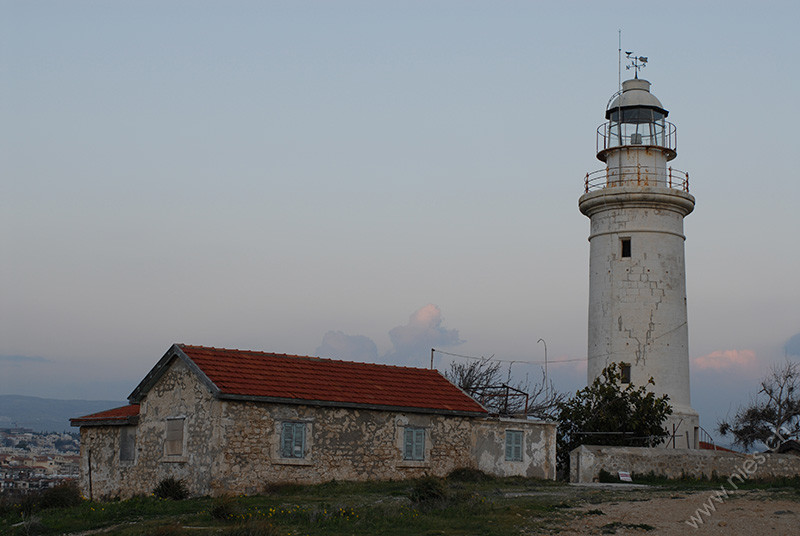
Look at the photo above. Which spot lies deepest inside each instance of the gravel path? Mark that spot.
(684, 513)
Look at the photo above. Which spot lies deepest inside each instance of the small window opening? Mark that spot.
(626, 247)
(625, 373)
(127, 444)
(174, 441)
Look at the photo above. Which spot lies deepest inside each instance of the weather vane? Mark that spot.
(637, 63)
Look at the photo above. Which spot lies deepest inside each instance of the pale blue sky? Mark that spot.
(258, 174)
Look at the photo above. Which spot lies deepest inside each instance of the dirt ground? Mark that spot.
(745, 512)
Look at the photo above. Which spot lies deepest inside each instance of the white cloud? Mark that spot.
(725, 359)
(339, 345)
(413, 341)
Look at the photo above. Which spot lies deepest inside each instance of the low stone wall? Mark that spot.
(587, 461)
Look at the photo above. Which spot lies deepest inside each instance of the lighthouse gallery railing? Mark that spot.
(636, 176)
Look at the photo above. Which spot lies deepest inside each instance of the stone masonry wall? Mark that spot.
(587, 461)
(234, 447)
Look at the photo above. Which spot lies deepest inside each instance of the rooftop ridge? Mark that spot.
(309, 357)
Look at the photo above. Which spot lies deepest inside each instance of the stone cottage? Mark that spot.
(234, 421)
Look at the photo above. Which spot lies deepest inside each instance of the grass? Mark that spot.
(471, 504)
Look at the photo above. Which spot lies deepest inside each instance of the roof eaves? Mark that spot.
(119, 421)
(161, 367)
(354, 405)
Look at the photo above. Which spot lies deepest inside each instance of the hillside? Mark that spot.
(47, 414)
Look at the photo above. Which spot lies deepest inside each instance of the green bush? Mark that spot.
(605, 476)
(61, 496)
(171, 488)
(224, 508)
(467, 474)
(428, 492)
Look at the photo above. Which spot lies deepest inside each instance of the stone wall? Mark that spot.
(234, 447)
(587, 461)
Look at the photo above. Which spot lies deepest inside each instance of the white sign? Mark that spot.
(625, 476)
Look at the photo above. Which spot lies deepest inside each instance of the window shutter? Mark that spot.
(173, 444)
(408, 451)
(293, 440)
(514, 445)
(299, 440)
(419, 444)
(287, 439)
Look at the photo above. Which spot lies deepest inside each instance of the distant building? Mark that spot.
(233, 421)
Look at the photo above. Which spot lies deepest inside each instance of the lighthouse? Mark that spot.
(637, 275)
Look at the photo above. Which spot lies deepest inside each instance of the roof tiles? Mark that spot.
(260, 374)
(122, 415)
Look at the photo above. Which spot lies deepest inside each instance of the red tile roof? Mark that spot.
(119, 416)
(241, 373)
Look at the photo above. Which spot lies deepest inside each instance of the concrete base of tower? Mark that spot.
(684, 429)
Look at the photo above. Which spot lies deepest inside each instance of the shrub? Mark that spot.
(171, 488)
(605, 476)
(467, 474)
(7, 507)
(428, 492)
(61, 496)
(224, 508)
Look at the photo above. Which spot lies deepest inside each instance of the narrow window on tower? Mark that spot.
(626, 247)
(625, 373)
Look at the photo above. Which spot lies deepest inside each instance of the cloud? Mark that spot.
(19, 359)
(725, 359)
(424, 331)
(411, 343)
(792, 346)
(339, 345)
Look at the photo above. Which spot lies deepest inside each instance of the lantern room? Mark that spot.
(636, 118)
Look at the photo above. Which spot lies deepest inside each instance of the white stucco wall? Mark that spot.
(637, 305)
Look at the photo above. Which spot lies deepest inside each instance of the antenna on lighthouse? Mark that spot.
(619, 62)
(637, 63)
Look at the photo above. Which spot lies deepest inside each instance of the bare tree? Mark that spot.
(483, 380)
(773, 414)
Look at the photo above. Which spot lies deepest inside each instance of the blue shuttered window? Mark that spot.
(293, 440)
(414, 448)
(514, 445)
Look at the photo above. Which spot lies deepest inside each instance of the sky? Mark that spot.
(368, 180)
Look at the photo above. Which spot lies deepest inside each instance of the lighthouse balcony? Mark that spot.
(659, 134)
(636, 176)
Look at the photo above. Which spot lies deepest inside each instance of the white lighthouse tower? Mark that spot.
(637, 276)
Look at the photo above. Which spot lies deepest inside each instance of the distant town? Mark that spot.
(32, 460)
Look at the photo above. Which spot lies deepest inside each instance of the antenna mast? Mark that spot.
(619, 63)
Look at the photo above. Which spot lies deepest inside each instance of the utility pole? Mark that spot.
(546, 385)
